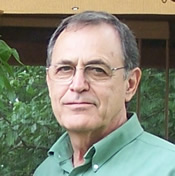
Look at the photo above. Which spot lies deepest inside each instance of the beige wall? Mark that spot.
(65, 6)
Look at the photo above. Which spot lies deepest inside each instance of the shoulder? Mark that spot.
(48, 167)
(155, 153)
(156, 143)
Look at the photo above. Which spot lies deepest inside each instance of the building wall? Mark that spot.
(66, 6)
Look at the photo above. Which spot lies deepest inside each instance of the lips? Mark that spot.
(78, 103)
(79, 107)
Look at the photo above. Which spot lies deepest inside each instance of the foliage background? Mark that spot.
(28, 127)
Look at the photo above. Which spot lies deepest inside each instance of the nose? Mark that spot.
(79, 83)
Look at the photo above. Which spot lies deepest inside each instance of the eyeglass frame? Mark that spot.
(80, 68)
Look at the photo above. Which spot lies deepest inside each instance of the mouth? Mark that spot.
(78, 105)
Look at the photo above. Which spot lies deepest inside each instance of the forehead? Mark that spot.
(88, 42)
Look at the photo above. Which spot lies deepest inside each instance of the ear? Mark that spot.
(133, 80)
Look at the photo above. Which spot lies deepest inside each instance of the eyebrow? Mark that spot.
(97, 61)
(91, 62)
(69, 62)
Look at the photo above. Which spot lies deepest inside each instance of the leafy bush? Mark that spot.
(152, 102)
(5, 69)
(28, 127)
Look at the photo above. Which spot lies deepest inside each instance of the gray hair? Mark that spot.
(128, 41)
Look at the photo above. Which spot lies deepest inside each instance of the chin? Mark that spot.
(78, 127)
(78, 122)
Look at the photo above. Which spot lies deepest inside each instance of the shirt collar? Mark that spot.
(62, 149)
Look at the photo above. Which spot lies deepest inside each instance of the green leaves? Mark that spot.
(5, 69)
(6, 52)
(27, 125)
(152, 102)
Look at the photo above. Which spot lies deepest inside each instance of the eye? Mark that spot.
(63, 70)
(96, 70)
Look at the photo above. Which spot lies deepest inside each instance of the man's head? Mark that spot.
(92, 72)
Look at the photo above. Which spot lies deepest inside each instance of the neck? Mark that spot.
(80, 143)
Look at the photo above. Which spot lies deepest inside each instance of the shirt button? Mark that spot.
(95, 167)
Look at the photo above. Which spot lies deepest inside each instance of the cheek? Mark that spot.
(112, 99)
(56, 93)
(55, 96)
(55, 104)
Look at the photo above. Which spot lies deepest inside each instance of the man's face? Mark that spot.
(81, 105)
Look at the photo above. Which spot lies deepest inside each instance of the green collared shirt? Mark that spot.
(128, 151)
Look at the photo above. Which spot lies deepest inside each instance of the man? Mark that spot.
(92, 72)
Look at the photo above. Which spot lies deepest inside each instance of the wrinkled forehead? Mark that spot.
(88, 42)
(100, 29)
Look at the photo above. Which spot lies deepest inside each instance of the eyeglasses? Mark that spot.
(64, 73)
